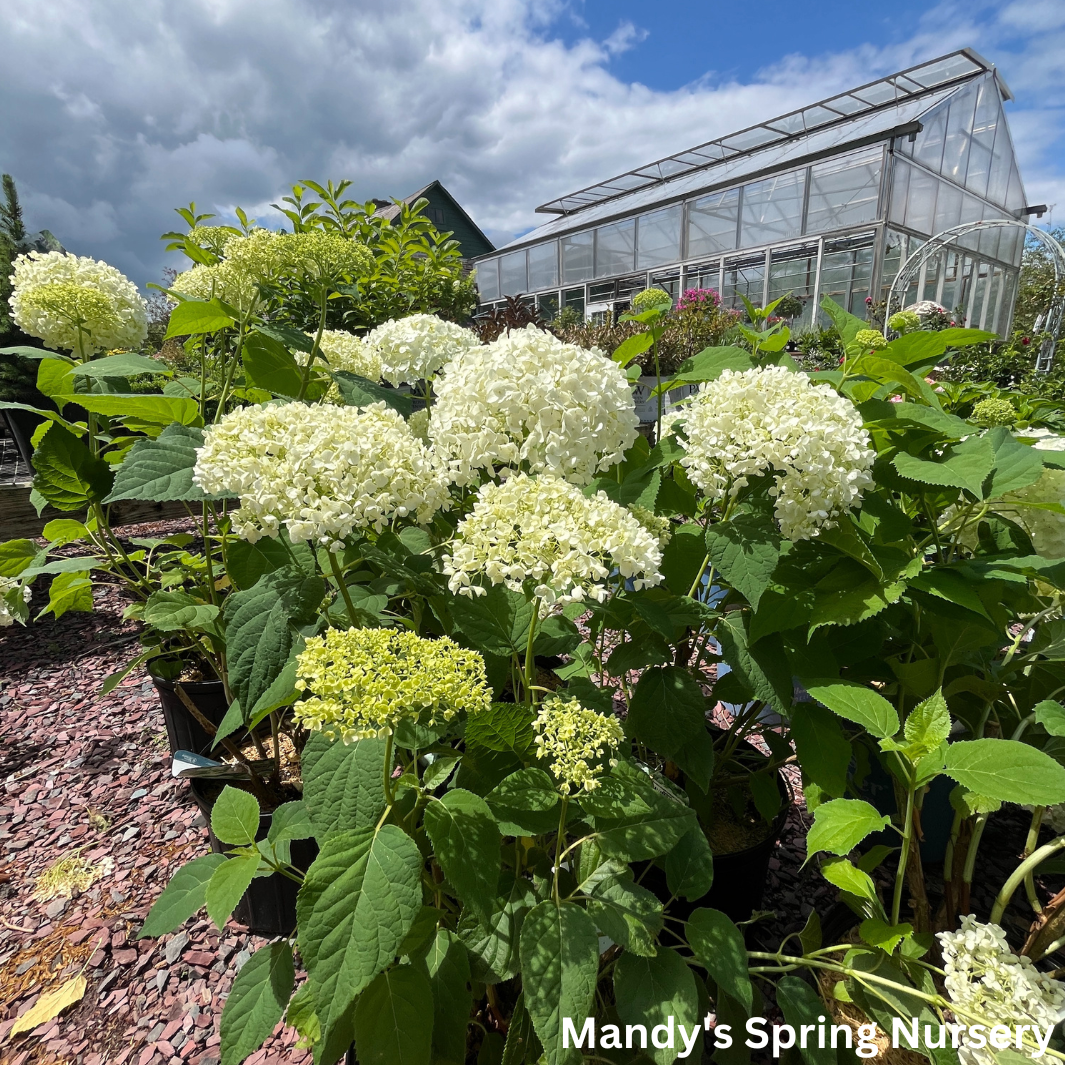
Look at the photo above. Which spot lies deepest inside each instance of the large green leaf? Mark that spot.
(504, 727)
(849, 878)
(174, 611)
(126, 364)
(824, 752)
(1051, 715)
(356, 906)
(659, 991)
(183, 896)
(227, 886)
(760, 666)
(67, 474)
(1007, 770)
(361, 392)
(343, 783)
(1017, 465)
(927, 726)
(448, 966)
(391, 1016)
(496, 622)
(840, 825)
(247, 562)
(525, 803)
(493, 946)
(710, 363)
(633, 820)
(846, 323)
(256, 1001)
(144, 413)
(16, 556)
(857, 703)
(668, 714)
(690, 866)
(69, 592)
(466, 843)
(198, 316)
(801, 1006)
(161, 470)
(965, 465)
(235, 817)
(718, 946)
(745, 551)
(628, 914)
(559, 964)
(270, 365)
(260, 630)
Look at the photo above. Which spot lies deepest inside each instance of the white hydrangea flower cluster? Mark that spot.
(345, 351)
(544, 530)
(224, 280)
(528, 398)
(772, 420)
(984, 977)
(580, 742)
(320, 471)
(214, 238)
(268, 256)
(76, 303)
(9, 591)
(415, 348)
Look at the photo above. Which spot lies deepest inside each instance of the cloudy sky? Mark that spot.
(116, 111)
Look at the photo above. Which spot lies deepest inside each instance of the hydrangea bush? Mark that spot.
(495, 628)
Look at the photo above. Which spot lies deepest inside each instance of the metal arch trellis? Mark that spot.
(1048, 324)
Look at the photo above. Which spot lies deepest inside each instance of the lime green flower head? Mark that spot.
(650, 297)
(904, 322)
(364, 682)
(326, 256)
(870, 340)
(578, 741)
(991, 412)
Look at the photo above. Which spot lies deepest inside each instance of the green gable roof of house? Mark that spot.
(445, 212)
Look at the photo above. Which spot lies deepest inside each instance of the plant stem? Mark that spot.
(316, 346)
(907, 842)
(1029, 847)
(1032, 862)
(387, 772)
(339, 575)
(530, 658)
(559, 840)
(974, 846)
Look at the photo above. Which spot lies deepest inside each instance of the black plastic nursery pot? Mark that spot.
(268, 907)
(183, 731)
(739, 877)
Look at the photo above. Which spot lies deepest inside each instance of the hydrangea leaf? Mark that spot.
(1007, 770)
(343, 787)
(256, 1001)
(718, 945)
(466, 843)
(840, 825)
(658, 990)
(391, 1019)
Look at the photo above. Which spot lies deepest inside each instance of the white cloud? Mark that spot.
(116, 111)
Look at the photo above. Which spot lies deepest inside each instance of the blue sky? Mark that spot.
(116, 111)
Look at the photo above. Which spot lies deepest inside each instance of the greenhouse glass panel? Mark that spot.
(948, 207)
(669, 281)
(994, 291)
(488, 279)
(547, 304)
(1004, 319)
(846, 272)
(712, 223)
(743, 277)
(1014, 193)
(574, 297)
(844, 192)
(577, 258)
(794, 270)
(513, 276)
(705, 275)
(772, 209)
(543, 266)
(895, 254)
(615, 248)
(978, 298)
(658, 239)
(921, 201)
(998, 179)
(989, 239)
(959, 132)
(900, 190)
(929, 147)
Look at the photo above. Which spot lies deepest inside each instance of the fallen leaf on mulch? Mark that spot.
(51, 1005)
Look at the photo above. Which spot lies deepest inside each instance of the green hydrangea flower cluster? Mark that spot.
(992, 412)
(904, 322)
(870, 340)
(364, 682)
(579, 742)
(650, 297)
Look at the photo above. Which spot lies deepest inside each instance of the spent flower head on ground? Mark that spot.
(321, 472)
(528, 399)
(75, 303)
(544, 533)
(773, 421)
(364, 682)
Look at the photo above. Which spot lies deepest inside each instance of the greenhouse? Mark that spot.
(828, 200)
